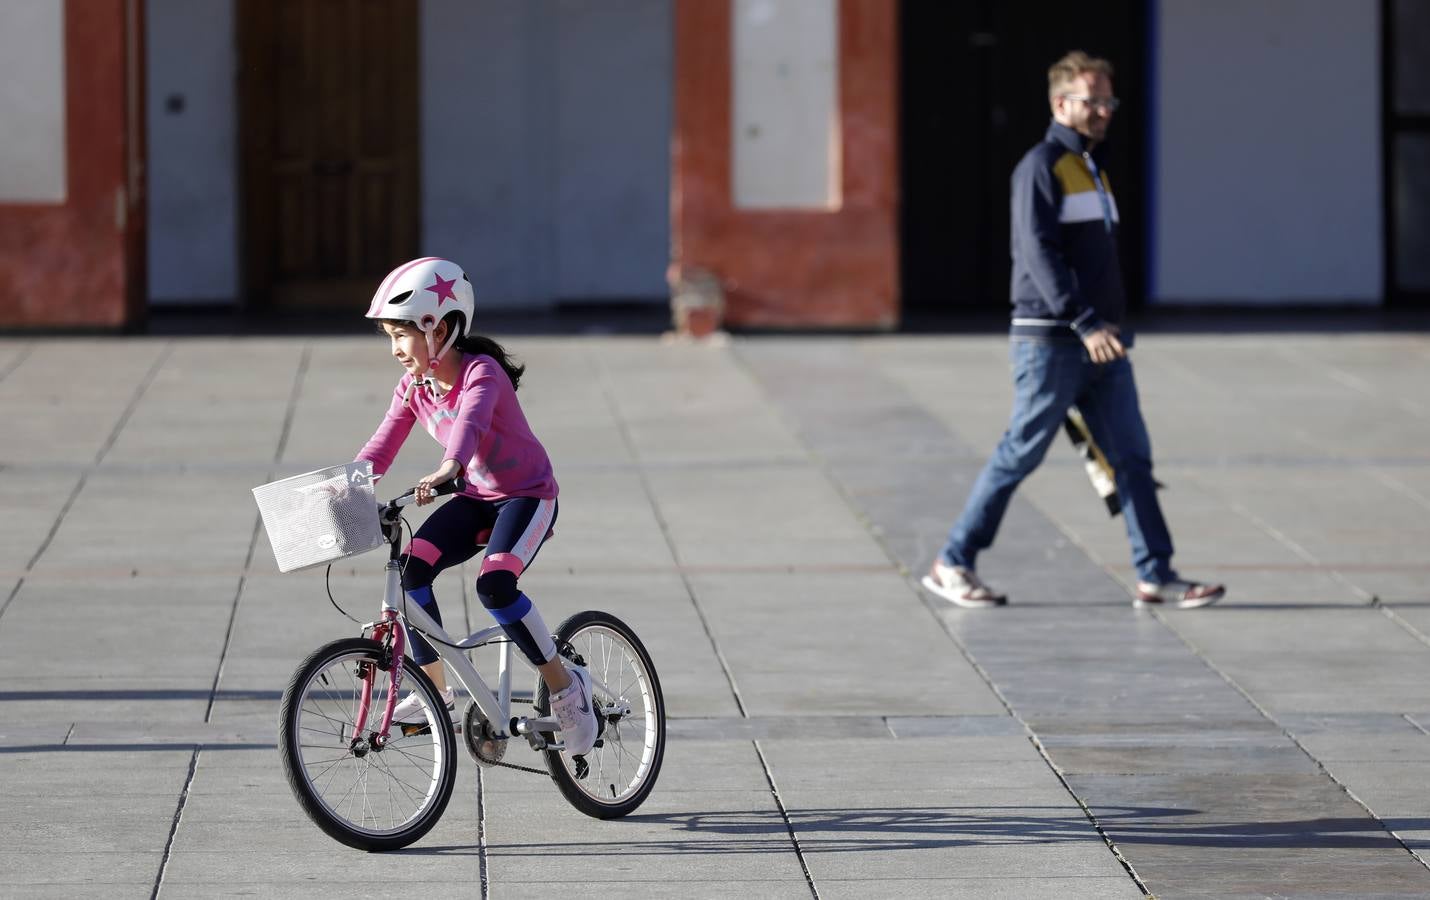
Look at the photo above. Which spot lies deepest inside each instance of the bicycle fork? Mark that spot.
(389, 633)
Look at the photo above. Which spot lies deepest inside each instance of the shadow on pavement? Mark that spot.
(846, 830)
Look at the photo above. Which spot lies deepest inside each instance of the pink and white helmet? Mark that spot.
(422, 292)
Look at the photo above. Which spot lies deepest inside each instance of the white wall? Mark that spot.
(32, 101)
(545, 149)
(193, 152)
(1267, 152)
(785, 106)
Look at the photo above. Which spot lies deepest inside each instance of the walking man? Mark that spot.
(1067, 347)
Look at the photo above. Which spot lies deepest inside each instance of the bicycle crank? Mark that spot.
(485, 748)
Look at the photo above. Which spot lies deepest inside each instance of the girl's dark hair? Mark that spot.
(475, 344)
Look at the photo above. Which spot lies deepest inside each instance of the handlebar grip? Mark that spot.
(451, 486)
(447, 487)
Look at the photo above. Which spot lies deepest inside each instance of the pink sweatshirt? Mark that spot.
(480, 423)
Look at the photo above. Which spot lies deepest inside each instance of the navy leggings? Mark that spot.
(513, 530)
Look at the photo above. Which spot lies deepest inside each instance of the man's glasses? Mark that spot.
(1109, 104)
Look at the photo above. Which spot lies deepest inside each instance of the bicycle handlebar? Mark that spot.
(451, 486)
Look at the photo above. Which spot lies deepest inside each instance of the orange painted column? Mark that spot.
(79, 263)
(791, 268)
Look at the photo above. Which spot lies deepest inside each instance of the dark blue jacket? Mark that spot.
(1067, 280)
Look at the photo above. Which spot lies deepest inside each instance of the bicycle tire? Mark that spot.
(299, 720)
(598, 637)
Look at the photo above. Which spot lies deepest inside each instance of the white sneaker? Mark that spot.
(409, 708)
(961, 586)
(1179, 594)
(572, 708)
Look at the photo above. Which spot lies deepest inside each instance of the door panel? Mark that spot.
(329, 110)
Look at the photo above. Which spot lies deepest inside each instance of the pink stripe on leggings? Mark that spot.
(424, 550)
(503, 562)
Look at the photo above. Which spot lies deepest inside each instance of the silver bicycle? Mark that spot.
(378, 786)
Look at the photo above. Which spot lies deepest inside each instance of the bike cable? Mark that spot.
(328, 584)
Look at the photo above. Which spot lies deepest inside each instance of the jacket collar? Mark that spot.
(1065, 137)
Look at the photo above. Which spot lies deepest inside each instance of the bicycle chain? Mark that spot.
(507, 765)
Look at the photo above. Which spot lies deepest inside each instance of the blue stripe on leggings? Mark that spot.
(513, 612)
(423, 596)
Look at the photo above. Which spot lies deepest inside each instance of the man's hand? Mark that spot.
(1103, 344)
(449, 469)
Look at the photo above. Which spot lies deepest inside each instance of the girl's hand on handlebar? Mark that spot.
(449, 469)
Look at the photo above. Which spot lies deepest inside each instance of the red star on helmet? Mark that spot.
(442, 288)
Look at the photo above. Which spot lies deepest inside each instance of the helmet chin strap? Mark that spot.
(434, 356)
(434, 359)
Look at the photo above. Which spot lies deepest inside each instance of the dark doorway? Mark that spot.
(328, 106)
(1405, 28)
(974, 99)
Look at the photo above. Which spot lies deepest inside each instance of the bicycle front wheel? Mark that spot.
(618, 774)
(364, 795)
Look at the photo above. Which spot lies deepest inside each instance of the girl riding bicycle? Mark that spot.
(462, 388)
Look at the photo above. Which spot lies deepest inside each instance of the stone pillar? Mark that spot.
(833, 267)
(73, 256)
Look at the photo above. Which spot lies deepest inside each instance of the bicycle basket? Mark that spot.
(320, 516)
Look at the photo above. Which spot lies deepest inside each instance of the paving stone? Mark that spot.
(995, 887)
(663, 888)
(23, 868)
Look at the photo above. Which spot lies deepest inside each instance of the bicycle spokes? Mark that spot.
(620, 770)
(366, 789)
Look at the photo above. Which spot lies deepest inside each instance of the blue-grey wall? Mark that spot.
(545, 150)
(1267, 166)
(193, 151)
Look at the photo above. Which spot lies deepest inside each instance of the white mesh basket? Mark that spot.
(320, 516)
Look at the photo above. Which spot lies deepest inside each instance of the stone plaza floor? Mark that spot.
(760, 511)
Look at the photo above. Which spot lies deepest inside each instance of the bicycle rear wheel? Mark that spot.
(369, 797)
(618, 774)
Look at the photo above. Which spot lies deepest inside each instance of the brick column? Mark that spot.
(795, 268)
(79, 263)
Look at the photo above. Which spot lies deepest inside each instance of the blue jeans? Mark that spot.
(1048, 378)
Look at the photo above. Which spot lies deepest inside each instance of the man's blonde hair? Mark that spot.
(1066, 70)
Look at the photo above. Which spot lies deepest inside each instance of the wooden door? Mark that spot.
(329, 119)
